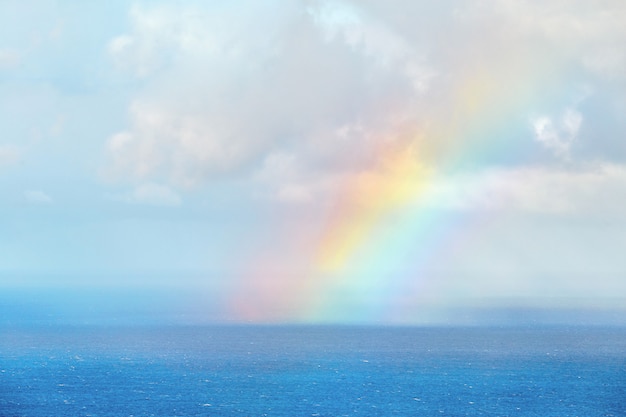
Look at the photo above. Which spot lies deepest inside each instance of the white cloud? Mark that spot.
(282, 176)
(590, 190)
(361, 31)
(592, 34)
(364, 33)
(609, 61)
(558, 137)
(37, 197)
(332, 82)
(294, 193)
(184, 147)
(278, 165)
(219, 98)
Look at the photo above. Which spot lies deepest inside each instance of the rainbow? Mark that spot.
(384, 235)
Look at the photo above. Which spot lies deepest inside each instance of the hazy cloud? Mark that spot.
(152, 194)
(591, 190)
(37, 197)
(592, 33)
(9, 58)
(9, 155)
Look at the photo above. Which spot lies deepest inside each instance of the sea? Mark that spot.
(329, 371)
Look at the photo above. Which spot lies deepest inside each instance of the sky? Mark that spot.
(313, 161)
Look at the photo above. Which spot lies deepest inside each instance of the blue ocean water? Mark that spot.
(312, 371)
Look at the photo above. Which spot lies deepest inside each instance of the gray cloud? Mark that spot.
(222, 91)
(220, 98)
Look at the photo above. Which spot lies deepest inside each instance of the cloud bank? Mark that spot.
(223, 92)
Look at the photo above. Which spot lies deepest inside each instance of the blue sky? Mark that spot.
(203, 149)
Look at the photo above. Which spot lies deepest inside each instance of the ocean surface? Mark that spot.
(312, 371)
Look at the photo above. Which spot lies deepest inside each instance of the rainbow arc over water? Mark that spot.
(385, 233)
